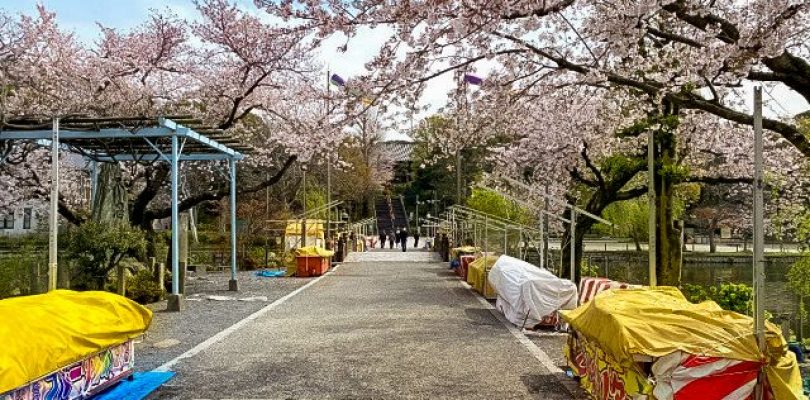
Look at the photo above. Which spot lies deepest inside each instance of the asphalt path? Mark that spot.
(388, 325)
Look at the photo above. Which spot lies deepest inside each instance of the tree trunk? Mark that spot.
(712, 228)
(668, 249)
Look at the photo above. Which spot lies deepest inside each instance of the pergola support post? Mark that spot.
(175, 300)
(53, 245)
(233, 284)
(93, 182)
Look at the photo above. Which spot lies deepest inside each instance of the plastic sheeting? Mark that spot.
(658, 322)
(314, 228)
(527, 293)
(313, 251)
(40, 334)
(477, 273)
(456, 251)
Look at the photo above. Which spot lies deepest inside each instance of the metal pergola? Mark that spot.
(139, 139)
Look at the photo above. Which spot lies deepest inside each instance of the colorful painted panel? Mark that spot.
(602, 377)
(81, 379)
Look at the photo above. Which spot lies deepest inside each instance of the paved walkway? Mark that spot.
(379, 327)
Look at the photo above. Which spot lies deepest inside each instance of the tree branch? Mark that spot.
(630, 194)
(595, 171)
(192, 201)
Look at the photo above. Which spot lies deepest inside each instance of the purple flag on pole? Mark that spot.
(337, 80)
(473, 80)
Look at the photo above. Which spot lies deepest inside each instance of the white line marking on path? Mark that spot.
(538, 353)
(233, 328)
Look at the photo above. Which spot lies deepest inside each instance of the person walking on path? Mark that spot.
(398, 237)
(390, 239)
(382, 239)
(403, 238)
(416, 239)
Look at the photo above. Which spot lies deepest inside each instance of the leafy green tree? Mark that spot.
(630, 218)
(493, 203)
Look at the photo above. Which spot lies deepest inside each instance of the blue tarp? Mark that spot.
(271, 274)
(141, 386)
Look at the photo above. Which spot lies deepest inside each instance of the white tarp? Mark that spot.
(529, 293)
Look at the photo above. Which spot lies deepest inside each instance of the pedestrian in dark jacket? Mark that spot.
(416, 239)
(403, 238)
(382, 240)
(390, 240)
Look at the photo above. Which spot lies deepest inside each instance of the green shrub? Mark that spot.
(587, 269)
(23, 267)
(737, 297)
(97, 248)
(142, 287)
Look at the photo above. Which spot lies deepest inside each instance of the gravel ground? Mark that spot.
(392, 330)
(173, 333)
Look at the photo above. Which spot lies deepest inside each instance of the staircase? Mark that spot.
(390, 215)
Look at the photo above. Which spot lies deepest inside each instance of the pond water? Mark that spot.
(779, 301)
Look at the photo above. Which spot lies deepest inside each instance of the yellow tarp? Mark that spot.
(313, 251)
(477, 273)
(40, 334)
(314, 228)
(454, 252)
(657, 322)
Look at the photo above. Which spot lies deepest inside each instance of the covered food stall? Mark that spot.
(67, 345)
(477, 274)
(526, 293)
(312, 261)
(314, 236)
(654, 344)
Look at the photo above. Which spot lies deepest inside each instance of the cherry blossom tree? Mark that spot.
(251, 78)
(682, 61)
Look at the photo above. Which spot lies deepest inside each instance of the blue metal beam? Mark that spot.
(167, 128)
(183, 131)
(100, 134)
(157, 157)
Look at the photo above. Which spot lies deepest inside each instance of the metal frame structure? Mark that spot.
(457, 214)
(572, 222)
(173, 140)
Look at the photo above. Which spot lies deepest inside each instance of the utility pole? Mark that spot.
(759, 236)
(304, 216)
(573, 244)
(458, 176)
(651, 201)
(544, 232)
(328, 163)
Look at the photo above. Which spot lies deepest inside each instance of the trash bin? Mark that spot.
(312, 261)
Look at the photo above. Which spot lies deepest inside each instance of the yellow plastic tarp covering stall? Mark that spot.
(314, 228)
(477, 273)
(656, 322)
(454, 252)
(40, 334)
(313, 251)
